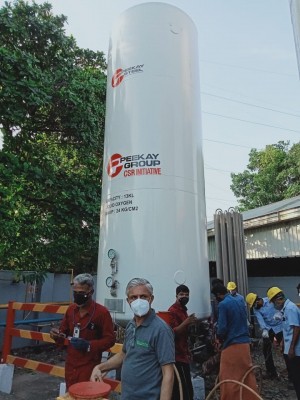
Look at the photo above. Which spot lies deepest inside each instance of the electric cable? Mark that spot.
(251, 122)
(247, 68)
(228, 143)
(250, 104)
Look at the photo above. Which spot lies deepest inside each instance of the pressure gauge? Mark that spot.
(111, 253)
(109, 282)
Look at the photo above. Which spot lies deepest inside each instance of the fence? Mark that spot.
(11, 332)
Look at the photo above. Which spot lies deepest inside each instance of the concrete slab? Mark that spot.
(6, 377)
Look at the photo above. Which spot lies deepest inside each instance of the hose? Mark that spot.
(179, 382)
(258, 381)
(232, 381)
(242, 381)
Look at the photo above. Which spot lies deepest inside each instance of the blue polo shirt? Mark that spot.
(147, 348)
(291, 318)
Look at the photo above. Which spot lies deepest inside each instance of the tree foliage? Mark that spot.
(52, 109)
(272, 174)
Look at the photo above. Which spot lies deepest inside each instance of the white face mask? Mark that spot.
(140, 307)
(278, 316)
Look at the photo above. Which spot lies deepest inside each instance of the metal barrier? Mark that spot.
(33, 322)
(11, 332)
(61, 303)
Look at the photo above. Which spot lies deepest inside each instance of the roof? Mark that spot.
(271, 213)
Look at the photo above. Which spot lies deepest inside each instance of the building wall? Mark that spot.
(287, 284)
(55, 288)
(267, 241)
(278, 240)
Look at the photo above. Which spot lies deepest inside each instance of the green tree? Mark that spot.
(272, 174)
(52, 110)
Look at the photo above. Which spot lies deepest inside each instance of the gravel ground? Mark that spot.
(276, 389)
(31, 385)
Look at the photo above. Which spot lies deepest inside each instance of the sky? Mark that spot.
(249, 82)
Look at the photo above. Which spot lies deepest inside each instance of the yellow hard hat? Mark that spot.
(250, 299)
(231, 285)
(272, 292)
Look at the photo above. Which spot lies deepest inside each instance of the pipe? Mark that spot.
(258, 378)
(179, 382)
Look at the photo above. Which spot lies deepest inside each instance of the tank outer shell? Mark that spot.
(153, 211)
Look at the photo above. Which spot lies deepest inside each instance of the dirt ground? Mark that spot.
(31, 385)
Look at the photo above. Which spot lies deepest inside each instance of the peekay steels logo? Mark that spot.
(121, 73)
(134, 165)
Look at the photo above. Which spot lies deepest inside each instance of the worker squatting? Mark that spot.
(142, 171)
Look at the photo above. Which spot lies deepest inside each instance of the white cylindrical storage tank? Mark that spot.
(153, 214)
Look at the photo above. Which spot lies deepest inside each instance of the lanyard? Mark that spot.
(89, 321)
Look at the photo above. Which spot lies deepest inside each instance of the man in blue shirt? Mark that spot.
(290, 314)
(271, 328)
(148, 354)
(233, 333)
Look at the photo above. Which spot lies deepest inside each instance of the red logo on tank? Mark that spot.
(114, 167)
(117, 78)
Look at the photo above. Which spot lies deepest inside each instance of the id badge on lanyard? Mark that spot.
(76, 331)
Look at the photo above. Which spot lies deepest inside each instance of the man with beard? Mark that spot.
(89, 328)
(233, 334)
(290, 315)
(179, 322)
(264, 311)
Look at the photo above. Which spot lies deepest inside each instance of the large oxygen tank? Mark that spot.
(153, 217)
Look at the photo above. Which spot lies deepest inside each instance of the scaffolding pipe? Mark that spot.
(230, 249)
(218, 245)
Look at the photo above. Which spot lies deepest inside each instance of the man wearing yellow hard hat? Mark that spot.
(264, 312)
(232, 289)
(290, 314)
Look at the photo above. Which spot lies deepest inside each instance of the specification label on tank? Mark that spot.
(120, 204)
